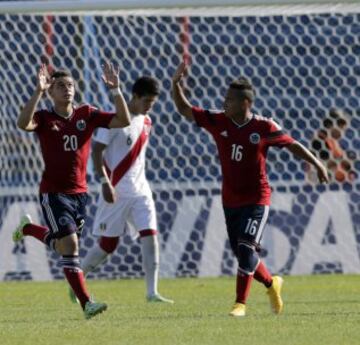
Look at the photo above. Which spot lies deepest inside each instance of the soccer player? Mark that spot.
(242, 139)
(65, 134)
(119, 161)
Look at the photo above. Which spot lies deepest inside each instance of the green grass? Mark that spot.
(318, 310)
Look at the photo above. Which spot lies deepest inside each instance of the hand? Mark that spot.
(111, 75)
(179, 72)
(43, 79)
(322, 173)
(108, 193)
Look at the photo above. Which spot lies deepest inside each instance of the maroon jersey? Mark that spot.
(242, 151)
(65, 146)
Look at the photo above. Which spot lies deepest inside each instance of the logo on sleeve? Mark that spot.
(81, 125)
(254, 138)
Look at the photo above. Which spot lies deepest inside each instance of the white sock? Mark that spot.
(94, 257)
(150, 258)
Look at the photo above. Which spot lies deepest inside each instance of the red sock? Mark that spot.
(243, 284)
(262, 275)
(37, 231)
(76, 279)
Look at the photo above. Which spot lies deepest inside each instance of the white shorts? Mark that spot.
(112, 220)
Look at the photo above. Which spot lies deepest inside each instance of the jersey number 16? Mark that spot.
(236, 153)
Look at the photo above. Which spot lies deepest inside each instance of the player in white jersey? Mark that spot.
(119, 160)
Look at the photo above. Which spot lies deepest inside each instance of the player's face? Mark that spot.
(145, 103)
(235, 104)
(62, 90)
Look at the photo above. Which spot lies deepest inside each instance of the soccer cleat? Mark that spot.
(72, 296)
(92, 308)
(239, 309)
(274, 292)
(158, 298)
(18, 233)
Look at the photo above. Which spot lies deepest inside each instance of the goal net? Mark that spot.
(303, 63)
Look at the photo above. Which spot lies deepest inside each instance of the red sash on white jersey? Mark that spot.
(121, 169)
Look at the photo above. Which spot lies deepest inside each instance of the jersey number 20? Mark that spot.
(70, 142)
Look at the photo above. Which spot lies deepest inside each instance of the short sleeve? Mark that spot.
(100, 118)
(102, 136)
(205, 118)
(276, 136)
(38, 120)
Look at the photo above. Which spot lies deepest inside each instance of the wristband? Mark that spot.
(115, 91)
(103, 180)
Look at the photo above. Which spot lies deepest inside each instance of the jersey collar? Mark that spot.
(62, 117)
(243, 124)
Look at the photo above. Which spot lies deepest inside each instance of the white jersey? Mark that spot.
(121, 158)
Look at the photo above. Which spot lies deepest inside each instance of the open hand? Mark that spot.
(111, 75)
(179, 73)
(108, 192)
(43, 78)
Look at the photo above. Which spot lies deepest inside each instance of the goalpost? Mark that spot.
(303, 61)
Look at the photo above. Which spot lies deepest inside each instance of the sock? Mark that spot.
(150, 261)
(37, 231)
(243, 284)
(93, 258)
(98, 254)
(75, 276)
(262, 274)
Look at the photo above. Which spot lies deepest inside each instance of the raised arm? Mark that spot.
(302, 152)
(111, 79)
(25, 120)
(108, 190)
(183, 106)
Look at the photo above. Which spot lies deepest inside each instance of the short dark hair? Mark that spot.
(60, 73)
(245, 87)
(146, 86)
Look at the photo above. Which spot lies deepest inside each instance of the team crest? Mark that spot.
(129, 140)
(81, 125)
(254, 138)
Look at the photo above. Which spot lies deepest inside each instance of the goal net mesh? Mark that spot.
(305, 69)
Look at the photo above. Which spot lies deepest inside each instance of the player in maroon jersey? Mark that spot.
(65, 134)
(242, 139)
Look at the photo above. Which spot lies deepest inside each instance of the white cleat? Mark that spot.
(158, 299)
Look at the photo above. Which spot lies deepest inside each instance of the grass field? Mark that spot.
(318, 310)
